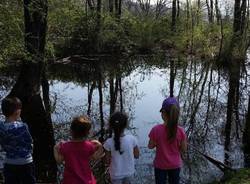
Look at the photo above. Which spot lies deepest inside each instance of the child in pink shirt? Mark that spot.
(77, 153)
(169, 139)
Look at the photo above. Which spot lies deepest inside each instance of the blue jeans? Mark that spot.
(172, 174)
(19, 174)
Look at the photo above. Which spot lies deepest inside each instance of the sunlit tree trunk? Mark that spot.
(36, 110)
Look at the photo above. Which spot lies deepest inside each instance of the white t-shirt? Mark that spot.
(122, 165)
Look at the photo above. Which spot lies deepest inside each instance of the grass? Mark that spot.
(242, 176)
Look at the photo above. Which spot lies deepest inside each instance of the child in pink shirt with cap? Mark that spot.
(77, 153)
(170, 141)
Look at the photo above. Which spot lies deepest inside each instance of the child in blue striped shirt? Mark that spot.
(16, 141)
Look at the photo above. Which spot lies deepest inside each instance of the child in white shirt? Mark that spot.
(121, 149)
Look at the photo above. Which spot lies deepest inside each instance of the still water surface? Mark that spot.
(140, 86)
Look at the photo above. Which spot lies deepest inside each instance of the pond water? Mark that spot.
(138, 86)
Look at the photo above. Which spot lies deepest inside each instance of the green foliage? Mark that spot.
(11, 31)
(73, 29)
(240, 177)
(112, 36)
(63, 18)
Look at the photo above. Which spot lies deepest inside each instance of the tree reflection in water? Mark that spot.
(137, 85)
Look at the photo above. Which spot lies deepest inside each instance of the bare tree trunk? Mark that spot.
(198, 12)
(98, 24)
(101, 138)
(119, 9)
(172, 77)
(121, 93)
(178, 8)
(173, 15)
(111, 6)
(243, 15)
(90, 94)
(212, 11)
(98, 10)
(116, 7)
(90, 4)
(218, 14)
(188, 13)
(112, 95)
(36, 110)
(246, 137)
(231, 102)
(237, 16)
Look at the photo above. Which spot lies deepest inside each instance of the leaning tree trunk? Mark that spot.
(28, 89)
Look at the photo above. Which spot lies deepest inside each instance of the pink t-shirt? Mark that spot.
(77, 156)
(168, 154)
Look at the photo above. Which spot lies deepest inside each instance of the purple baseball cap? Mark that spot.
(168, 102)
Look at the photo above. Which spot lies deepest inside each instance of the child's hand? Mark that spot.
(99, 150)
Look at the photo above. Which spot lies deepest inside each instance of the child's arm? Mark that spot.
(99, 150)
(151, 144)
(27, 137)
(183, 146)
(58, 157)
(136, 152)
(183, 143)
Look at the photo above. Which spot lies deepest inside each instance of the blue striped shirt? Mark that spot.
(16, 141)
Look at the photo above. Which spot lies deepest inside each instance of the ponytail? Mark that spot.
(118, 122)
(117, 136)
(173, 117)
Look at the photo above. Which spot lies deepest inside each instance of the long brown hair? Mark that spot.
(172, 113)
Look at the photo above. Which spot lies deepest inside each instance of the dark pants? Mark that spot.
(172, 174)
(19, 174)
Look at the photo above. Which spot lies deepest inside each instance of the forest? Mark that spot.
(118, 52)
